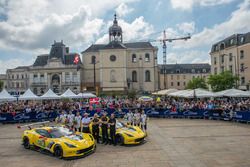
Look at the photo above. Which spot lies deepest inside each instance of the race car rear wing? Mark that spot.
(30, 126)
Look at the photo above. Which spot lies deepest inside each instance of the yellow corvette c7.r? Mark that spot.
(129, 135)
(59, 141)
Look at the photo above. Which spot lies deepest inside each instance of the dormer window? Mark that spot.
(147, 57)
(242, 39)
(177, 71)
(231, 41)
(193, 70)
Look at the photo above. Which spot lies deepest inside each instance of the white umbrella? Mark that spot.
(69, 94)
(199, 93)
(5, 96)
(28, 95)
(50, 95)
(232, 93)
(179, 93)
(86, 95)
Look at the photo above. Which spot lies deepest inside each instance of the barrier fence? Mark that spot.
(241, 116)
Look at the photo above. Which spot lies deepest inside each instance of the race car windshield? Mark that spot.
(60, 132)
(119, 125)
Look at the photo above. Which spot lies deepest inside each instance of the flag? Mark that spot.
(76, 59)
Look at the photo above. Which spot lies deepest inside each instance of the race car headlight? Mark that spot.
(70, 145)
(129, 135)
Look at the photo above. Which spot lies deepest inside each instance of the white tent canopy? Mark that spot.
(5, 96)
(28, 95)
(86, 95)
(199, 93)
(232, 93)
(69, 94)
(165, 92)
(50, 95)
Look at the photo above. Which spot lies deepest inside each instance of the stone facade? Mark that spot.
(120, 66)
(177, 76)
(55, 71)
(233, 54)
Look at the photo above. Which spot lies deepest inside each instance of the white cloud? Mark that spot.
(187, 27)
(237, 23)
(13, 63)
(189, 4)
(123, 10)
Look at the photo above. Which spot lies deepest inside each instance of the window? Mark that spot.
(22, 76)
(242, 67)
(75, 77)
(172, 77)
(134, 58)
(230, 57)
(231, 41)
(193, 70)
(17, 76)
(93, 60)
(17, 85)
(215, 60)
(67, 77)
(222, 46)
(215, 70)
(35, 90)
(147, 57)
(12, 76)
(193, 77)
(178, 77)
(184, 83)
(147, 76)
(112, 58)
(222, 58)
(242, 39)
(172, 84)
(35, 78)
(204, 70)
(178, 71)
(242, 80)
(222, 68)
(184, 76)
(134, 76)
(231, 68)
(42, 79)
(13, 84)
(241, 54)
(178, 83)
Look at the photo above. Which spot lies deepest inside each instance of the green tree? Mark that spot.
(1, 85)
(197, 83)
(222, 81)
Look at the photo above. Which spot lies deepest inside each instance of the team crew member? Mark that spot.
(112, 124)
(143, 121)
(77, 122)
(85, 123)
(70, 117)
(137, 117)
(95, 127)
(62, 118)
(104, 121)
(129, 117)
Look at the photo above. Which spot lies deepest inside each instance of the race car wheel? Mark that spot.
(58, 152)
(26, 143)
(120, 139)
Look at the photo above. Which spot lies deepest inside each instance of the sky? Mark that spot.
(29, 27)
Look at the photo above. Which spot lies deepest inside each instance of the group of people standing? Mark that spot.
(137, 118)
(83, 124)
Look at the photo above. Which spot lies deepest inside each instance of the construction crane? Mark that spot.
(164, 40)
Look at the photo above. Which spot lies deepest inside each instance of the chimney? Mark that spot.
(67, 49)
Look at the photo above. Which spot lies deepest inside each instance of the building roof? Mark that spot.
(117, 45)
(233, 40)
(184, 68)
(41, 60)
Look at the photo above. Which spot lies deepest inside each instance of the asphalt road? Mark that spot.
(170, 143)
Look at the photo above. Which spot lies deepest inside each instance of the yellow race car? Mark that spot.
(59, 141)
(126, 134)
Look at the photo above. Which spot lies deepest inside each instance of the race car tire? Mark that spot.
(58, 151)
(26, 143)
(120, 139)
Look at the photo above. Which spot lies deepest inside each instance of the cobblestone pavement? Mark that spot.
(170, 143)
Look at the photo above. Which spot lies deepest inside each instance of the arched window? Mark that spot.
(134, 76)
(147, 57)
(133, 57)
(93, 60)
(147, 76)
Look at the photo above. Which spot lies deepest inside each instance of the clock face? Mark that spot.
(112, 58)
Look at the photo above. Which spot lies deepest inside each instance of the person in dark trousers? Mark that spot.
(95, 127)
(85, 123)
(112, 125)
(104, 121)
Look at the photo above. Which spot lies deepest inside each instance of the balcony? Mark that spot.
(71, 83)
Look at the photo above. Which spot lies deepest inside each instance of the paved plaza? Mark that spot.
(170, 143)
